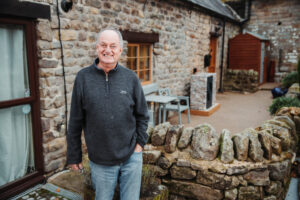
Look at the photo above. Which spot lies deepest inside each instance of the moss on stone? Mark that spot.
(205, 128)
(148, 179)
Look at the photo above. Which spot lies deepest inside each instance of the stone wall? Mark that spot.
(198, 163)
(183, 42)
(278, 20)
(241, 80)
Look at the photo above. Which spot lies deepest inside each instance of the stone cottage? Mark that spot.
(42, 48)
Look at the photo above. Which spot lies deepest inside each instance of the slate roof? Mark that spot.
(216, 6)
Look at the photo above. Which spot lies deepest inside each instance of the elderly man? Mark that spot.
(109, 105)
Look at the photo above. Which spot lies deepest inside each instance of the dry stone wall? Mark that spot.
(199, 163)
(293, 91)
(253, 164)
(184, 35)
(241, 80)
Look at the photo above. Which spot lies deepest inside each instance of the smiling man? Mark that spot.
(109, 105)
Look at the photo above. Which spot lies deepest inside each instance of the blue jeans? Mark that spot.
(105, 178)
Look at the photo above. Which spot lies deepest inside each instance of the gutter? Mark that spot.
(218, 15)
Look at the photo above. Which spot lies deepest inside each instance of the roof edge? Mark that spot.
(216, 14)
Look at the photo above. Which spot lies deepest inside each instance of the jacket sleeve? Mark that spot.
(76, 121)
(141, 114)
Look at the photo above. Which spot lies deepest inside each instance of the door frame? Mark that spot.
(19, 185)
(213, 46)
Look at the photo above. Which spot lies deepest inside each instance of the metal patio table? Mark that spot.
(163, 100)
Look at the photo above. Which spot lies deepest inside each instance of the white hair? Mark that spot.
(112, 29)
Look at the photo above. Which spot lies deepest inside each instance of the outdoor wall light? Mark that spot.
(66, 5)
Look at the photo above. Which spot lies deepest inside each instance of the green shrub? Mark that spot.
(283, 102)
(289, 79)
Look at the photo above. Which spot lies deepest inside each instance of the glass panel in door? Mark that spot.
(14, 71)
(16, 137)
(16, 143)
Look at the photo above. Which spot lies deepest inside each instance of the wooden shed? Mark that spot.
(249, 51)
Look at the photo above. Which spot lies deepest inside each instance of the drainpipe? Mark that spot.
(222, 60)
(249, 12)
(248, 15)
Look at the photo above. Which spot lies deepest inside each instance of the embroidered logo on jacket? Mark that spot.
(123, 92)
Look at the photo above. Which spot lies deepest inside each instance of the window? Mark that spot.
(139, 54)
(20, 133)
(139, 57)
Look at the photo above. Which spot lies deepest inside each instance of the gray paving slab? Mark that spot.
(63, 192)
(46, 191)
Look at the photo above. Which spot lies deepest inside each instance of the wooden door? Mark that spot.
(21, 154)
(213, 53)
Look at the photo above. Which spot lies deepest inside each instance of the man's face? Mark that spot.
(108, 48)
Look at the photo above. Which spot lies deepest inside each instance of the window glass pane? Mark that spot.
(144, 63)
(147, 75)
(132, 63)
(16, 143)
(138, 60)
(14, 73)
(147, 64)
(142, 75)
(132, 51)
(144, 50)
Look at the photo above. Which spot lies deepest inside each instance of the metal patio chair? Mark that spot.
(176, 105)
(150, 89)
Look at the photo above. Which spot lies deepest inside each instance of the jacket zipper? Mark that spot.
(106, 80)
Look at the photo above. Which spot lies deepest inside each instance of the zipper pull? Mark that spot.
(106, 77)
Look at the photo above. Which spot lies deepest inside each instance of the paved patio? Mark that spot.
(237, 112)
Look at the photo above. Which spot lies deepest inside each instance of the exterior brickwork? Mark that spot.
(278, 20)
(184, 36)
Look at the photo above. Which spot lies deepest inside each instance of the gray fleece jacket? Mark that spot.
(112, 111)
